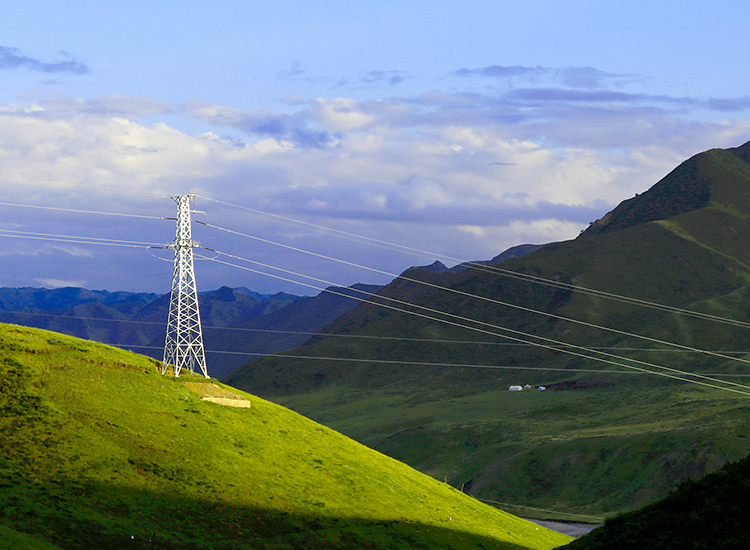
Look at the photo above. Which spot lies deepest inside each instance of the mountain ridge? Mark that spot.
(431, 385)
(685, 189)
(236, 322)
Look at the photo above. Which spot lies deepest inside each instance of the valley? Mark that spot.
(627, 415)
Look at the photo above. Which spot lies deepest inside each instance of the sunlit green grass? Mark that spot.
(101, 451)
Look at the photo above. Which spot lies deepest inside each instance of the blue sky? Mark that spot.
(455, 128)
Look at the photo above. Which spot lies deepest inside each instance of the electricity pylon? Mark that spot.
(183, 346)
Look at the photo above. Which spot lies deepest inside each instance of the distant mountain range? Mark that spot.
(137, 320)
(425, 379)
(19, 299)
(134, 321)
(238, 324)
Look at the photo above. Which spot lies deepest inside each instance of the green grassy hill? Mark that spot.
(602, 438)
(99, 451)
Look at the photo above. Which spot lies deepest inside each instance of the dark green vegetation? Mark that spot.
(708, 514)
(603, 438)
(99, 451)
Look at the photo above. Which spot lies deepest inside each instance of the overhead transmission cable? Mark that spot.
(350, 336)
(73, 239)
(460, 322)
(558, 346)
(478, 297)
(346, 336)
(95, 240)
(472, 265)
(377, 361)
(564, 350)
(496, 269)
(79, 211)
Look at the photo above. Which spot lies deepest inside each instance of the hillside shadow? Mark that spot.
(90, 516)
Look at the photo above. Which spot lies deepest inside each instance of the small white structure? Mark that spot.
(516, 388)
(541, 388)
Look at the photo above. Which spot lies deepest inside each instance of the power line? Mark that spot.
(470, 295)
(464, 319)
(112, 242)
(473, 265)
(78, 211)
(567, 348)
(498, 270)
(74, 239)
(351, 336)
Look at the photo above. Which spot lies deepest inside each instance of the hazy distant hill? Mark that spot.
(127, 319)
(101, 452)
(238, 324)
(436, 396)
(281, 329)
(14, 299)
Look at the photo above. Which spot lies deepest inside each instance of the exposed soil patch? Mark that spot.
(217, 394)
(242, 403)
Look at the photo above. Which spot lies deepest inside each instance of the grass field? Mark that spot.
(101, 451)
(590, 452)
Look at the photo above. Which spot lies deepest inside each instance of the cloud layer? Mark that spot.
(532, 155)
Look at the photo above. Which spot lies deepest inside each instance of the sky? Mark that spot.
(382, 135)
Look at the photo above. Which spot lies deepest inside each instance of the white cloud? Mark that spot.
(445, 172)
(75, 251)
(475, 230)
(340, 114)
(59, 283)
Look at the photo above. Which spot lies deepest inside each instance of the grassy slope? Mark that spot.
(617, 442)
(11, 539)
(100, 451)
(707, 514)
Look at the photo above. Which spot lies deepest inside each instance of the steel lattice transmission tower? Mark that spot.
(183, 346)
